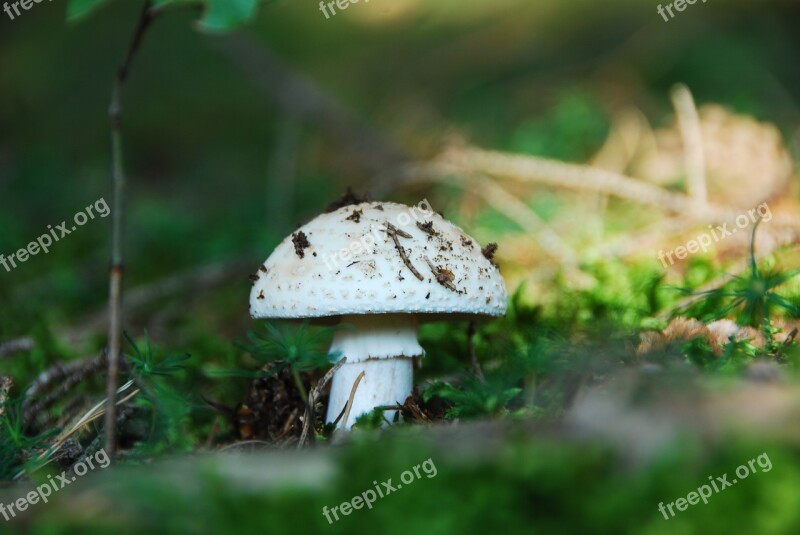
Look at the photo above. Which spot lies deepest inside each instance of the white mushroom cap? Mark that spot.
(346, 262)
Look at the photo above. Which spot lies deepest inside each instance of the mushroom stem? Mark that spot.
(382, 346)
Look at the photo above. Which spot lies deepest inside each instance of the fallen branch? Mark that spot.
(350, 400)
(16, 346)
(692, 136)
(473, 357)
(58, 379)
(5, 387)
(196, 280)
(559, 174)
(393, 233)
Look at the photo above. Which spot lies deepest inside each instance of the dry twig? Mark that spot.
(16, 346)
(118, 180)
(350, 399)
(692, 135)
(5, 387)
(393, 233)
(56, 381)
(473, 358)
(308, 417)
(558, 174)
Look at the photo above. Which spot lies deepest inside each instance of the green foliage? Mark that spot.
(736, 354)
(78, 9)
(297, 348)
(16, 448)
(146, 365)
(474, 398)
(374, 419)
(573, 129)
(223, 15)
(623, 294)
(171, 409)
(753, 296)
(218, 15)
(300, 348)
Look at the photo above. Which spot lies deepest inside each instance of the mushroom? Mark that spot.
(379, 269)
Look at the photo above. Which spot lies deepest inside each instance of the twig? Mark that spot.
(692, 135)
(526, 218)
(350, 399)
(427, 228)
(16, 346)
(395, 407)
(308, 417)
(212, 433)
(559, 174)
(393, 232)
(61, 378)
(91, 415)
(115, 279)
(473, 358)
(288, 425)
(244, 443)
(443, 276)
(790, 338)
(195, 279)
(5, 387)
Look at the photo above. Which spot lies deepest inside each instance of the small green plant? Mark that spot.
(754, 295)
(15, 446)
(474, 398)
(371, 420)
(145, 364)
(170, 408)
(298, 349)
(733, 358)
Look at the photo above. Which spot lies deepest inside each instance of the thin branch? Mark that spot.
(117, 266)
(5, 387)
(393, 233)
(559, 174)
(473, 358)
(196, 280)
(517, 210)
(443, 276)
(16, 346)
(692, 136)
(58, 379)
(350, 399)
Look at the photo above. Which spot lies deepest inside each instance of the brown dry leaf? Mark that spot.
(682, 329)
(747, 161)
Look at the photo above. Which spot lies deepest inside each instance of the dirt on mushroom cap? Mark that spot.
(369, 267)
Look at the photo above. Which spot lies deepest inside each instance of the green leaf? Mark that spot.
(78, 9)
(222, 15)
